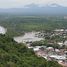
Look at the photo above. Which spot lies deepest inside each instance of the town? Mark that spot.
(51, 45)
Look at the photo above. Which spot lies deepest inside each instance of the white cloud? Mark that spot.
(21, 3)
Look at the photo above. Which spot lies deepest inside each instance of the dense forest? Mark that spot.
(13, 54)
(17, 25)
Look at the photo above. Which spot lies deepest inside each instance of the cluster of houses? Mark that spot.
(49, 53)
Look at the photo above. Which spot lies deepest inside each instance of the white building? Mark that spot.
(60, 44)
(59, 30)
(65, 43)
(58, 57)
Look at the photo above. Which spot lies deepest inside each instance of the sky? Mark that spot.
(22, 3)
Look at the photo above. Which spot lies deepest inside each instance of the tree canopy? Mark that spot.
(13, 54)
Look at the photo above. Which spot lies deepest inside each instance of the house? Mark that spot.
(60, 44)
(50, 49)
(65, 43)
(63, 63)
(57, 50)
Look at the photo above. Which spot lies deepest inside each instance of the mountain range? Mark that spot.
(34, 9)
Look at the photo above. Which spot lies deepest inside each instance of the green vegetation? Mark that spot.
(17, 25)
(51, 42)
(13, 54)
(45, 43)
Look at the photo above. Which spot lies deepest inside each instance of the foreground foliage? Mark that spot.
(18, 55)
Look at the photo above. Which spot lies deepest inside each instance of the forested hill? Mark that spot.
(13, 54)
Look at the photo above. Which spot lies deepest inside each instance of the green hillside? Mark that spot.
(13, 54)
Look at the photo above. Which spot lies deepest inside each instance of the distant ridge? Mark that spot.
(31, 5)
(54, 5)
(34, 9)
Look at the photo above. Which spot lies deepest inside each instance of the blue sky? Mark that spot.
(21, 3)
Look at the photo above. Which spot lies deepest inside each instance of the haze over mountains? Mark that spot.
(34, 9)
